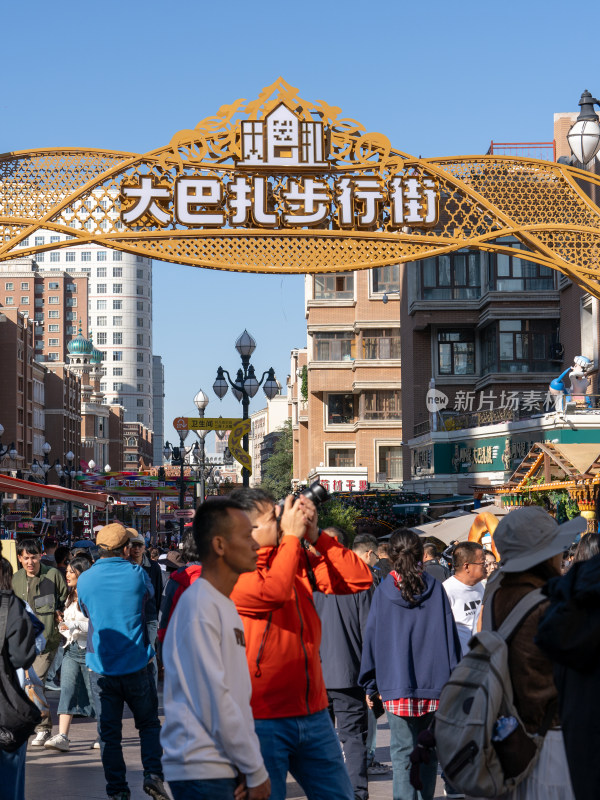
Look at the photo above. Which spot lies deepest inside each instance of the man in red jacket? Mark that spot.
(283, 636)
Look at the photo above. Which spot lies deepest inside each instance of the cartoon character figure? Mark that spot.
(579, 384)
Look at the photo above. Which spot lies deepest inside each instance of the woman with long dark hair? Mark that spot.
(75, 690)
(410, 647)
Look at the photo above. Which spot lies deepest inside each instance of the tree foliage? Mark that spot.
(279, 468)
(335, 514)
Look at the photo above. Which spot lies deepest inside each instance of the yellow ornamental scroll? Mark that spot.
(238, 429)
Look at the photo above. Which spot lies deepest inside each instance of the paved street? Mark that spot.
(78, 773)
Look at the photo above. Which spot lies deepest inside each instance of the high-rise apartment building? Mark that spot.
(158, 409)
(117, 312)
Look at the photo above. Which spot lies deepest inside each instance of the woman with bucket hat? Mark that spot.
(531, 543)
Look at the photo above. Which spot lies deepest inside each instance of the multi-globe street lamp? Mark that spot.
(584, 135)
(10, 451)
(177, 456)
(245, 385)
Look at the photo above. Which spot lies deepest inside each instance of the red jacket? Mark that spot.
(178, 582)
(282, 627)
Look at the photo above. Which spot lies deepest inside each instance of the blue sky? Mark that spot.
(437, 78)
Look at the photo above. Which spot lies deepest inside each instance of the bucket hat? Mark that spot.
(529, 535)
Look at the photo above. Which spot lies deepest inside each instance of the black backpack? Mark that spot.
(18, 715)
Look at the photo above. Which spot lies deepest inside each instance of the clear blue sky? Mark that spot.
(437, 78)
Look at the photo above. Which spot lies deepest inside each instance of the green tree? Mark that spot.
(279, 469)
(335, 514)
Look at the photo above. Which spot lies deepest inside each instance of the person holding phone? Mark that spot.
(410, 647)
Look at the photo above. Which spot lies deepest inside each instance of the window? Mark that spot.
(69, 256)
(24, 286)
(101, 321)
(39, 240)
(340, 456)
(381, 343)
(140, 305)
(71, 301)
(104, 204)
(117, 288)
(25, 301)
(117, 337)
(140, 357)
(513, 274)
(117, 272)
(71, 329)
(53, 314)
(117, 305)
(140, 322)
(140, 339)
(130, 457)
(386, 279)
(140, 289)
(140, 417)
(53, 300)
(54, 257)
(10, 287)
(140, 373)
(117, 386)
(54, 239)
(117, 355)
(9, 301)
(140, 402)
(140, 274)
(101, 288)
(117, 321)
(526, 345)
(456, 352)
(340, 409)
(53, 328)
(39, 316)
(334, 287)
(100, 255)
(100, 305)
(139, 258)
(102, 386)
(140, 387)
(382, 404)
(86, 255)
(53, 285)
(52, 356)
(101, 337)
(40, 257)
(71, 287)
(451, 277)
(71, 315)
(117, 256)
(53, 342)
(101, 272)
(334, 346)
(39, 301)
(389, 463)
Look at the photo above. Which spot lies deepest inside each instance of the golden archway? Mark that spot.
(351, 202)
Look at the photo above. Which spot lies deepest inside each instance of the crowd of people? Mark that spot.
(281, 645)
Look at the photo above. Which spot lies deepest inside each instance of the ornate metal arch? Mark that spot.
(480, 200)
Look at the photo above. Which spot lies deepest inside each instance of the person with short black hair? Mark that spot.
(431, 563)
(50, 545)
(210, 746)
(465, 589)
(44, 588)
(365, 546)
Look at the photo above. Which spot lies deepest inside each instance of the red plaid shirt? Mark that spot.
(411, 706)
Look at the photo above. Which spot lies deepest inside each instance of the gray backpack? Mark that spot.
(481, 741)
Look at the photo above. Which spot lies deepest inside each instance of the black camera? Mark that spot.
(315, 492)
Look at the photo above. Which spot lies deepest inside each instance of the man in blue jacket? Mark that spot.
(113, 594)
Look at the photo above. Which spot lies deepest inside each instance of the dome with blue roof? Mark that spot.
(80, 346)
(96, 354)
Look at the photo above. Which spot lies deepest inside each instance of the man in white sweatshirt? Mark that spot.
(211, 751)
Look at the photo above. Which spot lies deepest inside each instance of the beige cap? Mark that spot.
(113, 536)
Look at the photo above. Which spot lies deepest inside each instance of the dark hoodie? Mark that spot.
(409, 650)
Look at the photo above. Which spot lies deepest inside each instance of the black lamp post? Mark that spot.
(10, 451)
(245, 385)
(177, 455)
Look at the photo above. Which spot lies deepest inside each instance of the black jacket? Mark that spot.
(154, 572)
(20, 634)
(436, 570)
(570, 634)
(343, 619)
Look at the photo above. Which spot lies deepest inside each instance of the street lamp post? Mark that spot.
(245, 385)
(176, 455)
(10, 451)
(584, 135)
(201, 401)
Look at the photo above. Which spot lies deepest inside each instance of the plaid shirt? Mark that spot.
(411, 706)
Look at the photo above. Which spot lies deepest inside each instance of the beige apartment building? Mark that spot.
(348, 430)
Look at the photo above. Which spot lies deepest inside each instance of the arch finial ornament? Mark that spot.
(280, 184)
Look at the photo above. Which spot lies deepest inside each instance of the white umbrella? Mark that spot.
(447, 530)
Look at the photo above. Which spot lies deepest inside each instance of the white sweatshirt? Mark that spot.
(208, 731)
